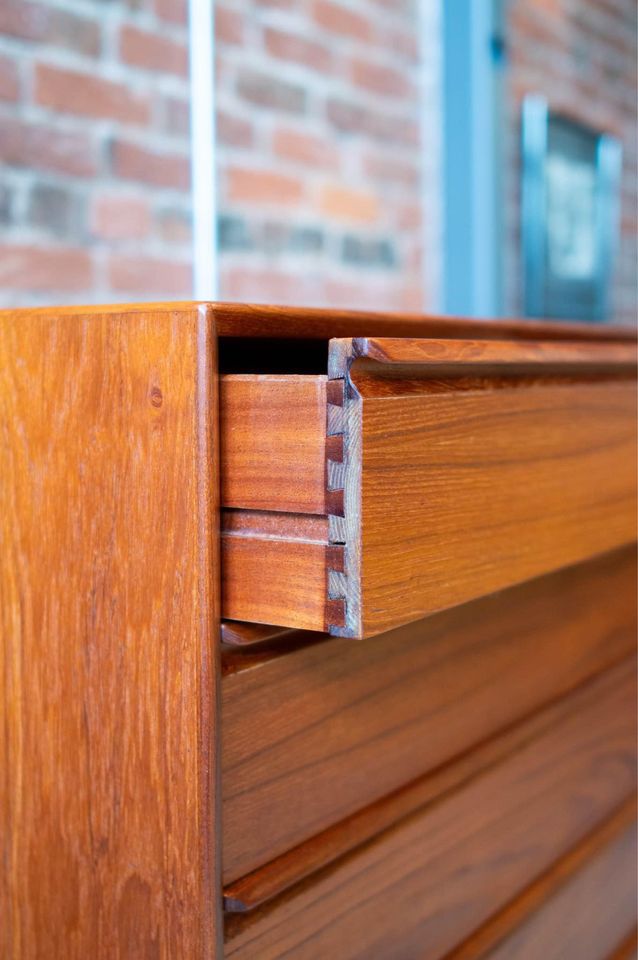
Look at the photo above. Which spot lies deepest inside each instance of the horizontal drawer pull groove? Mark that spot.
(318, 852)
(583, 906)
(435, 857)
(422, 694)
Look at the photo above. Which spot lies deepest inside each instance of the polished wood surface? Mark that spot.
(459, 782)
(235, 633)
(422, 887)
(311, 736)
(583, 907)
(108, 612)
(544, 431)
(258, 320)
(495, 353)
(252, 320)
(276, 569)
(273, 442)
(322, 849)
(455, 492)
(628, 949)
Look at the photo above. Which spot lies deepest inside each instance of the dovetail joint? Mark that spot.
(335, 481)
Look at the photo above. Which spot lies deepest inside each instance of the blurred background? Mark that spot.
(470, 156)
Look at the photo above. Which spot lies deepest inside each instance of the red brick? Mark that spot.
(343, 203)
(390, 169)
(262, 186)
(133, 162)
(40, 147)
(86, 95)
(339, 19)
(42, 23)
(412, 298)
(413, 259)
(229, 25)
(290, 46)
(9, 79)
(175, 116)
(31, 268)
(362, 296)
(404, 45)
(380, 79)
(270, 91)
(355, 118)
(410, 217)
(401, 8)
(57, 210)
(117, 217)
(262, 286)
(305, 148)
(141, 48)
(232, 131)
(174, 11)
(174, 226)
(150, 276)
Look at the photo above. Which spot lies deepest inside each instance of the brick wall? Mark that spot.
(94, 192)
(319, 125)
(328, 122)
(323, 110)
(581, 55)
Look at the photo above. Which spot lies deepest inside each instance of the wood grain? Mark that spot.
(582, 907)
(109, 617)
(258, 320)
(553, 460)
(628, 949)
(276, 569)
(313, 735)
(235, 633)
(422, 887)
(273, 442)
(239, 657)
(526, 354)
(451, 494)
(324, 848)
(247, 321)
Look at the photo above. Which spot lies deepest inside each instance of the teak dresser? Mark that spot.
(317, 636)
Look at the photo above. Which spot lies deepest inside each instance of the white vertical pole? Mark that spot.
(432, 184)
(203, 168)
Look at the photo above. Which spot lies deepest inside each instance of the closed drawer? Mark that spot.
(416, 475)
(583, 907)
(424, 885)
(313, 733)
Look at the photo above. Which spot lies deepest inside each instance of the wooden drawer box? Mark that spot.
(418, 474)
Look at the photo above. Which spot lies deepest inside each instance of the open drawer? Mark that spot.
(415, 475)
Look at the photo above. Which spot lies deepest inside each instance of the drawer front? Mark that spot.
(584, 907)
(312, 735)
(443, 471)
(483, 467)
(423, 886)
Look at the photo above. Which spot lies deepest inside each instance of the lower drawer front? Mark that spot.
(312, 735)
(424, 886)
(583, 908)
